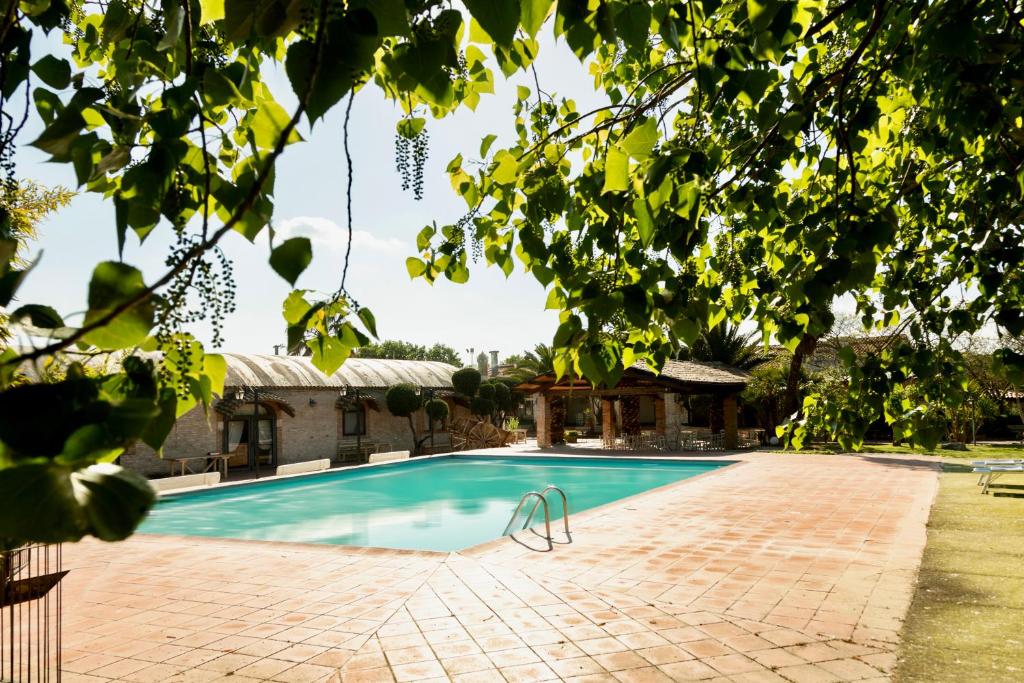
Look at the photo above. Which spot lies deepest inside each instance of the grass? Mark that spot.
(966, 622)
(979, 452)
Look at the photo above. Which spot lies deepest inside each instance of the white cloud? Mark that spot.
(325, 232)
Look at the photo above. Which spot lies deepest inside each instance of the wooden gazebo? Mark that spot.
(677, 378)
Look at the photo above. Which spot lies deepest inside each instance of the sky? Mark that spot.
(488, 313)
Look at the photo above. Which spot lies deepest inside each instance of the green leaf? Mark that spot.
(39, 505)
(295, 306)
(328, 353)
(348, 52)
(633, 24)
(174, 20)
(533, 13)
(112, 500)
(53, 71)
(159, 426)
(38, 316)
(391, 15)
(485, 144)
(506, 170)
(644, 222)
(210, 11)
(368, 320)
(500, 18)
(291, 258)
(216, 368)
(641, 140)
(269, 123)
(415, 266)
(616, 171)
(113, 284)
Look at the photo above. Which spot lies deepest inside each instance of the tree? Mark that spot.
(23, 206)
(857, 147)
(403, 350)
(757, 161)
(466, 381)
(726, 344)
(403, 400)
(539, 361)
(165, 113)
(437, 411)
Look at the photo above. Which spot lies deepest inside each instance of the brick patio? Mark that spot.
(782, 568)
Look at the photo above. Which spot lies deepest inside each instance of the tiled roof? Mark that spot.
(695, 372)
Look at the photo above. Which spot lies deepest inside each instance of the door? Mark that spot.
(250, 440)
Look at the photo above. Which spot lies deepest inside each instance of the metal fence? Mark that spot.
(30, 613)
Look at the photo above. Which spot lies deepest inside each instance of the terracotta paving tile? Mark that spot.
(576, 666)
(527, 673)
(305, 673)
(466, 664)
(649, 674)
(380, 675)
(486, 676)
(265, 668)
(807, 673)
(664, 654)
(513, 657)
(812, 582)
(408, 655)
(692, 670)
(618, 661)
(418, 670)
(732, 664)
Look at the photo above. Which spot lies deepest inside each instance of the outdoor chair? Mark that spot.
(991, 472)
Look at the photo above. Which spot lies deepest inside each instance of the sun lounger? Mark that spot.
(994, 461)
(990, 473)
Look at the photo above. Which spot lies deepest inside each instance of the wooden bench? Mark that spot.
(211, 462)
(351, 451)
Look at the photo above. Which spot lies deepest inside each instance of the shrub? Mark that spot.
(487, 390)
(402, 400)
(466, 381)
(437, 410)
(483, 407)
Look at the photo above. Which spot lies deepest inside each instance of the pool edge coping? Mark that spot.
(479, 547)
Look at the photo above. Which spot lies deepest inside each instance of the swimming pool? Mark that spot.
(442, 503)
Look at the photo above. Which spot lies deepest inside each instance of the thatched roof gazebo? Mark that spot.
(677, 378)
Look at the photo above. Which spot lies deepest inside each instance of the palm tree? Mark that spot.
(726, 344)
(540, 361)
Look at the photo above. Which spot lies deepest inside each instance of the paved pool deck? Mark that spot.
(780, 568)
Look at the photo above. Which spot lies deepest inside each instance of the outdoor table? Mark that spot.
(215, 462)
(518, 435)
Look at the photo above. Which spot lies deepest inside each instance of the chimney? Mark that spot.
(494, 363)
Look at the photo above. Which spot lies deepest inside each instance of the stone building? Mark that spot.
(278, 410)
(641, 400)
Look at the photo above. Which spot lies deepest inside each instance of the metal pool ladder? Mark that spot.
(541, 500)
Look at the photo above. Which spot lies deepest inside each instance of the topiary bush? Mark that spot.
(466, 381)
(437, 410)
(487, 390)
(402, 400)
(482, 407)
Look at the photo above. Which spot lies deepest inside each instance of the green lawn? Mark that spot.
(979, 452)
(967, 619)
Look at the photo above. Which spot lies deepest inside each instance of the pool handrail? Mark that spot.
(547, 515)
(565, 504)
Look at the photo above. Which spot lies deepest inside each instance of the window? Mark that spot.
(353, 421)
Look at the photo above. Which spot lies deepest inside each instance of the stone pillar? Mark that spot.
(659, 413)
(730, 418)
(673, 417)
(542, 416)
(607, 420)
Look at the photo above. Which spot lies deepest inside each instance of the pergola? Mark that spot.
(677, 378)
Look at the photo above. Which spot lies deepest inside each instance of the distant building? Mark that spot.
(278, 410)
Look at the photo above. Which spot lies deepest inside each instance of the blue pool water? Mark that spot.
(446, 503)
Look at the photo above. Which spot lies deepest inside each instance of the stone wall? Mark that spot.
(313, 433)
